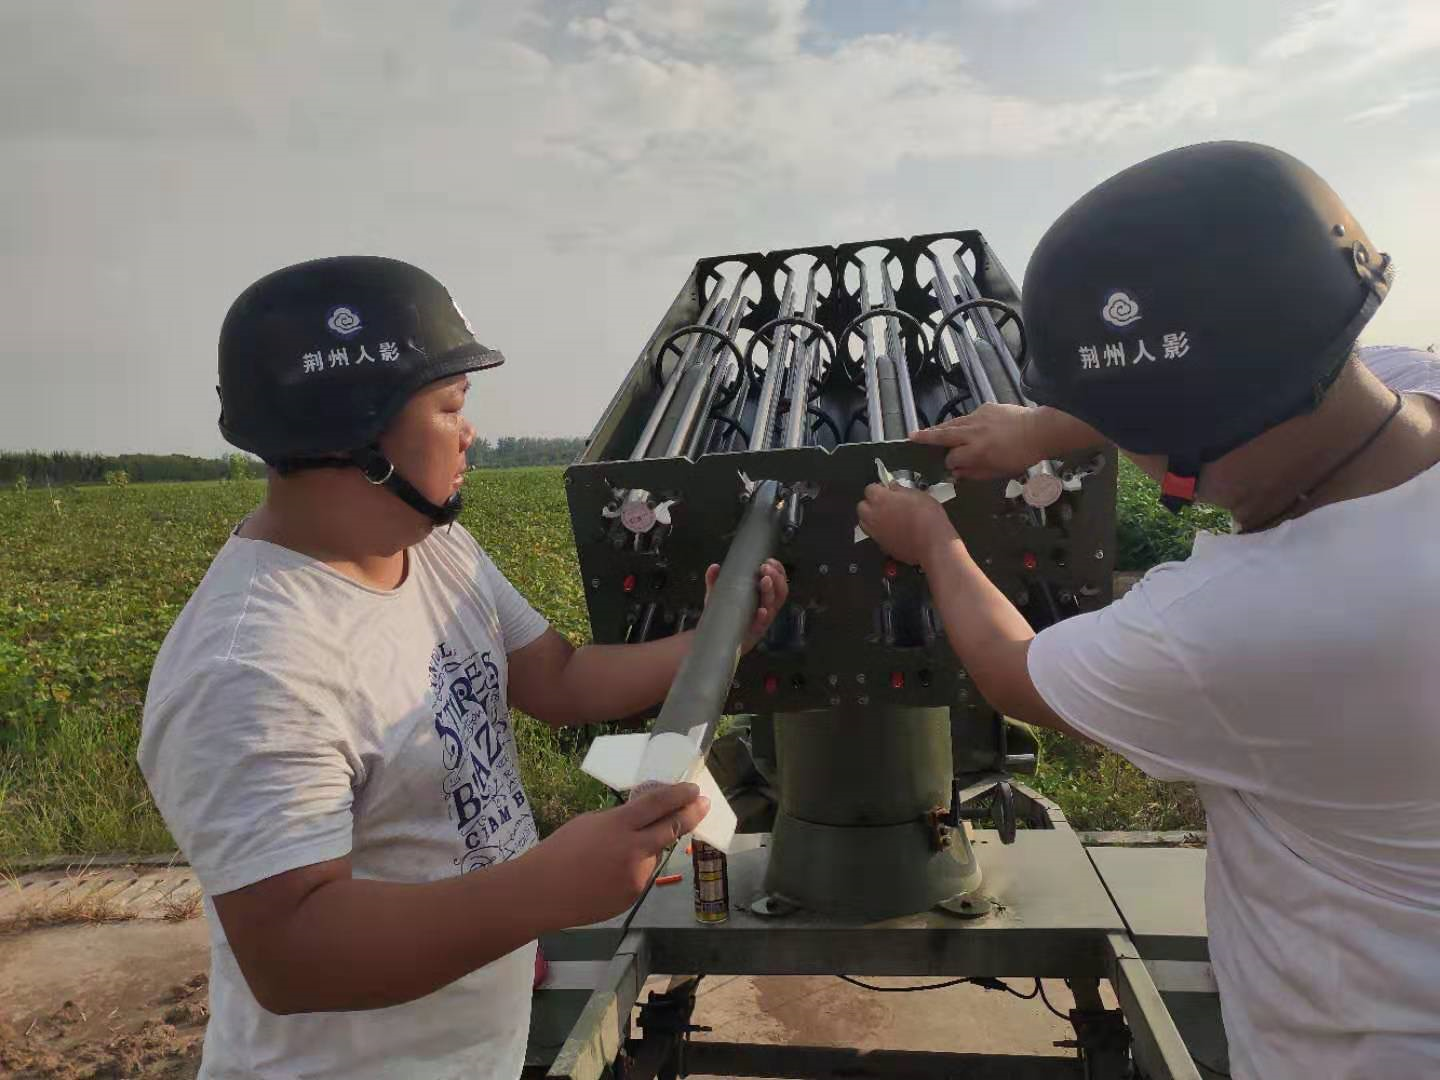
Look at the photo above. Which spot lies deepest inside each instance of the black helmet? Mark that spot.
(316, 359)
(1195, 300)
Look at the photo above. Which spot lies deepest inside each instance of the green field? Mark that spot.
(92, 577)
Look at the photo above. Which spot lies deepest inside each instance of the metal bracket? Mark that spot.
(773, 906)
(969, 905)
(942, 827)
(1101, 1035)
(1000, 809)
(665, 1027)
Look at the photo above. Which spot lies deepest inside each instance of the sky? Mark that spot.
(561, 166)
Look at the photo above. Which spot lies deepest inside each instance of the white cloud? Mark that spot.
(1124, 78)
(1393, 107)
(483, 141)
(1006, 7)
(719, 29)
(1367, 36)
(1314, 28)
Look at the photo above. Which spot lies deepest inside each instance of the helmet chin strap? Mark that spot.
(380, 471)
(1182, 477)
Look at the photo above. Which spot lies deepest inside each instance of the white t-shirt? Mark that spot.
(294, 716)
(1294, 676)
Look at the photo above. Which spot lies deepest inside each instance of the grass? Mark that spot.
(1147, 533)
(91, 579)
(74, 906)
(182, 905)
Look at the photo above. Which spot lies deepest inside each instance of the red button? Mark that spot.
(771, 684)
(629, 583)
(892, 568)
(897, 680)
(1030, 561)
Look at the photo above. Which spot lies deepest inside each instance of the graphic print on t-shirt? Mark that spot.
(482, 791)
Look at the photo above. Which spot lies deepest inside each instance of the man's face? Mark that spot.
(427, 441)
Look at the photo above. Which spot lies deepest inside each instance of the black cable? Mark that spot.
(953, 407)
(732, 427)
(902, 989)
(1305, 496)
(863, 417)
(1041, 987)
(821, 419)
(985, 981)
(654, 876)
(1008, 989)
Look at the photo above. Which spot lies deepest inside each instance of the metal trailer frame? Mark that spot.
(1130, 917)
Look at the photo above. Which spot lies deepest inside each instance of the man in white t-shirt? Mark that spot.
(1289, 670)
(327, 730)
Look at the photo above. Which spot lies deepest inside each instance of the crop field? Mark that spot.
(91, 579)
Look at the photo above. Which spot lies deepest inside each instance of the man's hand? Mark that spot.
(601, 862)
(907, 524)
(774, 591)
(993, 442)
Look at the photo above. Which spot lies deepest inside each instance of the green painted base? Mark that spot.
(853, 836)
(874, 872)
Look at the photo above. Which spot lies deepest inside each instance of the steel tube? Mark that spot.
(672, 384)
(994, 368)
(707, 366)
(800, 373)
(1041, 488)
(725, 440)
(780, 353)
(892, 416)
(704, 424)
(896, 349)
(718, 376)
(971, 291)
(975, 375)
(874, 411)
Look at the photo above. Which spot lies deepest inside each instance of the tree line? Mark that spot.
(37, 468)
(512, 452)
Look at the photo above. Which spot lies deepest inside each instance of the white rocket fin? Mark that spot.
(615, 760)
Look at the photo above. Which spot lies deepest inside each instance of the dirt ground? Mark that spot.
(104, 974)
(103, 1000)
(129, 1000)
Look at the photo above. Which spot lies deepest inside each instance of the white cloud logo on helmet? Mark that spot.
(1121, 309)
(343, 321)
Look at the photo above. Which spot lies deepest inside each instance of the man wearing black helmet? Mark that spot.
(327, 729)
(1200, 310)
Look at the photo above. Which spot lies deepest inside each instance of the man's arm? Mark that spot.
(990, 637)
(317, 939)
(561, 685)
(997, 441)
(1111, 676)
